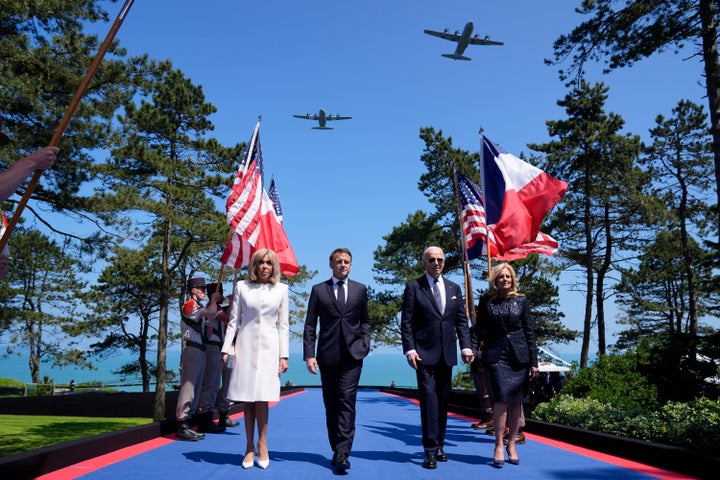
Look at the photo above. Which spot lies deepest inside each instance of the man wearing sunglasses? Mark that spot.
(433, 319)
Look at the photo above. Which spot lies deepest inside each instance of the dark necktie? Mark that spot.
(341, 292)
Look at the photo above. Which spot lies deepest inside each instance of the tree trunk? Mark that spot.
(600, 290)
(589, 283)
(159, 413)
(712, 86)
(689, 263)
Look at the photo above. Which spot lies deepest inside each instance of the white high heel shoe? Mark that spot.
(250, 463)
(263, 463)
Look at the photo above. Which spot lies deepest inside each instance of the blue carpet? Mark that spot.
(387, 445)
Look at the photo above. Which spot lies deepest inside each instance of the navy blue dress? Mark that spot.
(504, 327)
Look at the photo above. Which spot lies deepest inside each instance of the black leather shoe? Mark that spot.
(341, 462)
(207, 425)
(225, 421)
(229, 422)
(441, 456)
(430, 461)
(184, 432)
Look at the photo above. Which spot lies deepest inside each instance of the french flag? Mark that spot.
(270, 234)
(518, 196)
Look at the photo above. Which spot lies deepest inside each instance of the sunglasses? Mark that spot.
(435, 260)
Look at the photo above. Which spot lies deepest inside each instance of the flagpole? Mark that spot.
(484, 190)
(243, 169)
(253, 139)
(66, 118)
(222, 264)
(469, 297)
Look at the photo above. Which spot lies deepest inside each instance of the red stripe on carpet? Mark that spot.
(603, 457)
(90, 465)
(96, 463)
(611, 459)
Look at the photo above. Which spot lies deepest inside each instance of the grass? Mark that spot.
(20, 433)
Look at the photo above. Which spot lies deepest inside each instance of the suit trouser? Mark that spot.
(191, 375)
(221, 402)
(339, 388)
(211, 378)
(434, 385)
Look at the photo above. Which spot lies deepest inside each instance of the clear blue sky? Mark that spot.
(372, 61)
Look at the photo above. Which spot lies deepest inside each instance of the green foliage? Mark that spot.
(40, 302)
(670, 361)
(44, 55)
(617, 394)
(399, 260)
(10, 382)
(604, 209)
(21, 433)
(298, 294)
(614, 380)
(622, 33)
(463, 378)
(692, 425)
(44, 388)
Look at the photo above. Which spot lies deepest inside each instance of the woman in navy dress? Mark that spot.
(509, 352)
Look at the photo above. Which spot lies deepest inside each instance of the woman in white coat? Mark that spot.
(259, 318)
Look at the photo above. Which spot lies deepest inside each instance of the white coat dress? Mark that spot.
(259, 317)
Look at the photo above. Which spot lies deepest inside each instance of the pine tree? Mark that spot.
(171, 180)
(621, 36)
(601, 216)
(41, 300)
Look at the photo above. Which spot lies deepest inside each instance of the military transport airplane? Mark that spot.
(322, 118)
(463, 40)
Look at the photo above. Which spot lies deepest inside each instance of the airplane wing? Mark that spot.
(337, 117)
(307, 117)
(483, 41)
(446, 35)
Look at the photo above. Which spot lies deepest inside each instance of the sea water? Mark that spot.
(379, 370)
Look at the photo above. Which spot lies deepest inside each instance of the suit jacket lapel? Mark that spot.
(331, 292)
(425, 285)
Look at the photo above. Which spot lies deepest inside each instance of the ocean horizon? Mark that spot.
(380, 369)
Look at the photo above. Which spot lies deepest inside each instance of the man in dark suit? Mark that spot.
(341, 305)
(433, 319)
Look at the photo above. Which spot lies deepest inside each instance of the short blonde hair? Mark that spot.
(258, 257)
(495, 272)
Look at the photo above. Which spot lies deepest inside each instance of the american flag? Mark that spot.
(275, 197)
(237, 252)
(543, 243)
(255, 216)
(245, 201)
(474, 225)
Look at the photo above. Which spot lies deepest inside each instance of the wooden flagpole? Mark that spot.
(66, 118)
(482, 184)
(469, 296)
(243, 168)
